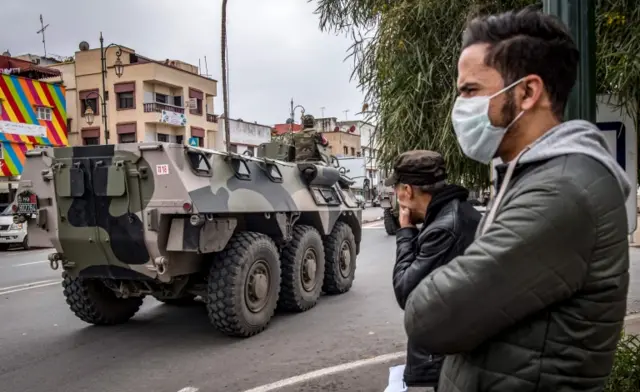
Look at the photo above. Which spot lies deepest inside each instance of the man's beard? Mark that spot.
(415, 218)
(509, 111)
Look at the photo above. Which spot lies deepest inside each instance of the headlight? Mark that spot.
(16, 226)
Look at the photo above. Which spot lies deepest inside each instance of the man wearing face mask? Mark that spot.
(449, 222)
(537, 301)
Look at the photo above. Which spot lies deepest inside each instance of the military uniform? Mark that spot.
(307, 140)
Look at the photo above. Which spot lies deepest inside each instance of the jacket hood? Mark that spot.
(577, 137)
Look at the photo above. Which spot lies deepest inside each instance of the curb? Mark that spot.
(371, 220)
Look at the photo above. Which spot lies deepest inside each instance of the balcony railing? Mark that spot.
(159, 107)
(212, 118)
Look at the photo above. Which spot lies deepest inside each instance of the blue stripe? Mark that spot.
(61, 97)
(27, 105)
(13, 156)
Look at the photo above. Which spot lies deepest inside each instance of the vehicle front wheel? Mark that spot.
(391, 223)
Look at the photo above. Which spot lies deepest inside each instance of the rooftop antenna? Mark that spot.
(41, 31)
(206, 69)
(322, 111)
(346, 114)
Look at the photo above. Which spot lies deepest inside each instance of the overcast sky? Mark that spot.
(276, 50)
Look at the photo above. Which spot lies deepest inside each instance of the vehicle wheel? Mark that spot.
(302, 263)
(340, 260)
(25, 243)
(94, 303)
(391, 223)
(244, 283)
(187, 300)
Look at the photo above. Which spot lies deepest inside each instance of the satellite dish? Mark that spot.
(84, 46)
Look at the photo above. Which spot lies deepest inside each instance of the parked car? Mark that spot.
(12, 233)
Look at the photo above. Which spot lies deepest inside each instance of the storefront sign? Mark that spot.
(23, 129)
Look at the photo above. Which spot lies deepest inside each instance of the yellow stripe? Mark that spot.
(9, 162)
(41, 94)
(6, 107)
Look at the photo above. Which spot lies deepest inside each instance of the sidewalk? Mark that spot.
(632, 324)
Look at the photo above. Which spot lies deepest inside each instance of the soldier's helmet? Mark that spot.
(308, 121)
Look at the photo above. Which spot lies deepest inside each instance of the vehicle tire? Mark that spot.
(94, 303)
(25, 243)
(302, 263)
(187, 300)
(340, 260)
(244, 283)
(391, 223)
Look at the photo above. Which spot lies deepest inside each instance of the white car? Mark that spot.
(12, 233)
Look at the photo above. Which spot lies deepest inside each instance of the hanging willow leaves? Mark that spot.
(405, 54)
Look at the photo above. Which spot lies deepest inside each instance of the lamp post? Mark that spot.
(119, 69)
(89, 114)
(291, 121)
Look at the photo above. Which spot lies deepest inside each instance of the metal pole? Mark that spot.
(579, 16)
(104, 90)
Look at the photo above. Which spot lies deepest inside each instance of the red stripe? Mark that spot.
(55, 111)
(11, 99)
(53, 135)
(32, 139)
(34, 93)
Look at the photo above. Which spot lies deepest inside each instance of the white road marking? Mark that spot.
(189, 389)
(28, 286)
(31, 263)
(328, 371)
(287, 382)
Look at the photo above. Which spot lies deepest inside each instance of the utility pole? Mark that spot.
(41, 31)
(579, 16)
(346, 114)
(322, 111)
(225, 87)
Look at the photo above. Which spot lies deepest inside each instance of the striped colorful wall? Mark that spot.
(19, 98)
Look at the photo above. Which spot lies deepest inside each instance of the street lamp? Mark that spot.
(89, 114)
(119, 70)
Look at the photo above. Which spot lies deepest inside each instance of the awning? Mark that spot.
(13, 66)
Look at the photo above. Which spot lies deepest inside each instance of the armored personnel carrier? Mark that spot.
(245, 234)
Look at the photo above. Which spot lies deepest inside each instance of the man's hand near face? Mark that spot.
(405, 217)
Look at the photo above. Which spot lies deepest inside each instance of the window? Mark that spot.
(177, 101)
(346, 150)
(180, 139)
(233, 148)
(69, 124)
(198, 96)
(161, 98)
(90, 141)
(127, 138)
(200, 141)
(163, 137)
(43, 113)
(358, 154)
(126, 100)
(353, 151)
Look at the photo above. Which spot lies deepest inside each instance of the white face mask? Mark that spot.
(478, 138)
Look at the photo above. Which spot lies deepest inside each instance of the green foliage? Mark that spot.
(625, 375)
(405, 60)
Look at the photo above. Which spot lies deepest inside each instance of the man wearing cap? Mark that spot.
(448, 226)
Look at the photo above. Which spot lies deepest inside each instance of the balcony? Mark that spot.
(212, 118)
(159, 107)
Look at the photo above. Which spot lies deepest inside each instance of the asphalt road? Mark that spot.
(45, 348)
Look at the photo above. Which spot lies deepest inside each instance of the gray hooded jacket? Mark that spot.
(537, 302)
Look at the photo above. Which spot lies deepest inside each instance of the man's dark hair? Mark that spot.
(528, 42)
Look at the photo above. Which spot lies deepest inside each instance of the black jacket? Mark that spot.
(448, 229)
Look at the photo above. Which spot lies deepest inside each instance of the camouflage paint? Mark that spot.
(109, 209)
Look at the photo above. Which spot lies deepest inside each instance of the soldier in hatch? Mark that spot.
(307, 141)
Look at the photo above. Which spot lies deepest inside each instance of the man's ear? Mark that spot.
(408, 190)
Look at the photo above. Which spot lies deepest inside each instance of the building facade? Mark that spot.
(245, 136)
(343, 136)
(32, 114)
(370, 147)
(151, 100)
